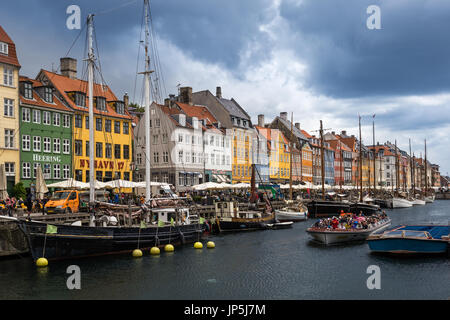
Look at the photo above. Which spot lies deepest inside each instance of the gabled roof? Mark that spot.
(11, 58)
(286, 123)
(64, 85)
(234, 108)
(38, 101)
(200, 112)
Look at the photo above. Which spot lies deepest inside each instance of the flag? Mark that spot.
(202, 220)
(51, 229)
(143, 224)
(171, 221)
(160, 223)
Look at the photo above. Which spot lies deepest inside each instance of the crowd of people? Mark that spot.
(350, 221)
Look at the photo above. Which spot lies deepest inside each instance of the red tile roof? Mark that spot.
(11, 58)
(64, 85)
(200, 112)
(38, 101)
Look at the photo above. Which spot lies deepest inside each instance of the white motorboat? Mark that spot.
(331, 236)
(419, 202)
(291, 214)
(401, 203)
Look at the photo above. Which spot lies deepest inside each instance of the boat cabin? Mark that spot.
(230, 209)
(180, 216)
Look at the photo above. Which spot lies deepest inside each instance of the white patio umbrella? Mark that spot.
(41, 187)
(70, 183)
(3, 185)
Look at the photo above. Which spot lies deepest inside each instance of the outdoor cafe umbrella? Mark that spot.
(3, 186)
(41, 187)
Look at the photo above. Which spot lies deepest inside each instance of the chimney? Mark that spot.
(283, 115)
(333, 133)
(126, 100)
(344, 132)
(297, 125)
(186, 95)
(261, 120)
(219, 92)
(68, 67)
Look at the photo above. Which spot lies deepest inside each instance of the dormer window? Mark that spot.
(4, 48)
(26, 90)
(80, 99)
(48, 94)
(100, 103)
(120, 107)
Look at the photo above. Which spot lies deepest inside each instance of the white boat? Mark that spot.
(341, 235)
(430, 199)
(290, 214)
(401, 203)
(418, 202)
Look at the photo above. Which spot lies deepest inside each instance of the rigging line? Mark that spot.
(137, 61)
(116, 8)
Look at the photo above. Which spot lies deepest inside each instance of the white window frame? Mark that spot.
(8, 107)
(26, 142)
(8, 76)
(47, 118)
(36, 116)
(26, 170)
(47, 171)
(66, 121)
(26, 115)
(56, 119)
(9, 138)
(47, 144)
(56, 145)
(57, 171)
(66, 146)
(4, 48)
(66, 171)
(37, 143)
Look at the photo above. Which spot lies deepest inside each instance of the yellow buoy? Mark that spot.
(198, 245)
(137, 253)
(155, 251)
(169, 248)
(41, 262)
(210, 245)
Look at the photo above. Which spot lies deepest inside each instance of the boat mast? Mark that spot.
(426, 178)
(147, 105)
(322, 160)
(90, 59)
(290, 160)
(397, 172)
(410, 164)
(360, 162)
(374, 156)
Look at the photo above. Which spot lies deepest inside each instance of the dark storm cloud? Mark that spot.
(409, 55)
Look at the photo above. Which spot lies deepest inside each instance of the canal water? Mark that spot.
(268, 265)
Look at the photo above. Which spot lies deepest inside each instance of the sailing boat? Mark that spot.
(103, 235)
(397, 201)
(427, 197)
(293, 211)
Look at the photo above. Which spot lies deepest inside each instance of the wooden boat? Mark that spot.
(401, 203)
(288, 214)
(366, 208)
(422, 239)
(332, 236)
(419, 202)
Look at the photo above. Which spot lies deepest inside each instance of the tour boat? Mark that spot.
(332, 236)
(422, 239)
(401, 203)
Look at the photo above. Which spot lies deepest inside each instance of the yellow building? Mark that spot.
(242, 157)
(9, 114)
(113, 132)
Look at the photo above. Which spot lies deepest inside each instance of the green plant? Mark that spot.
(19, 191)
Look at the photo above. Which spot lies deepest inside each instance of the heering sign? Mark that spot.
(44, 158)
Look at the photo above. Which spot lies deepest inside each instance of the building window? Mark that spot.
(10, 168)
(126, 176)
(100, 103)
(78, 148)
(4, 48)
(8, 107)
(98, 124)
(117, 151)
(37, 143)
(120, 107)
(56, 171)
(36, 116)
(26, 141)
(8, 76)
(47, 147)
(80, 99)
(56, 145)
(46, 118)
(107, 125)
(155, 139)
(78, 121)
(26, 115)
(155, 157)
(79, 175)
(88, 150)
(66, 121)
(66, 146)
(108, 150)
(116, 126)
(26, 170)
(56, 119)
(139, 158)
(9, 138)
(180, 137)
(48, 94)
(180, 156)
(165, 157)
(99, 149)
(126, 127)
(47, 171)
(28, 90)
(66, 171)
(99, 175)
(126, 151)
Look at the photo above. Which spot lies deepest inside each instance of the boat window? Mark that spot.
(420, 234)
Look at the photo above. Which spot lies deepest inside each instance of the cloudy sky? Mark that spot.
(315, 58)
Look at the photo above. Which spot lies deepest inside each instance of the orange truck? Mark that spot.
(66, 201)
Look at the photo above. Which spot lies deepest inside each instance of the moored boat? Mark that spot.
(401, 203)
(323, 208)
(430, 199)
(287, 214)
(419, 202)
(365, 208)
(422, 239)
(332, 236)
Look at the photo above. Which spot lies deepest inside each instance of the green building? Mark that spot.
(45, 133)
